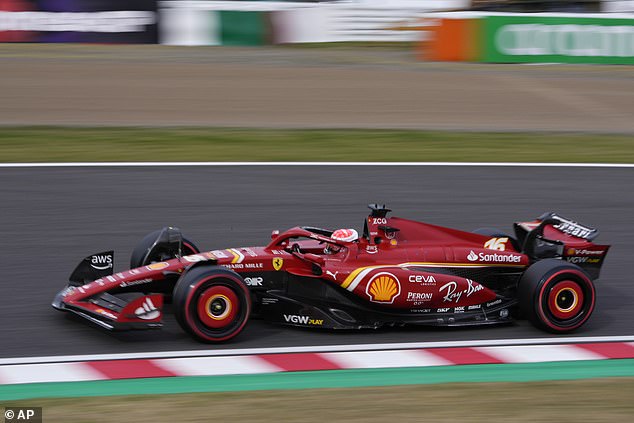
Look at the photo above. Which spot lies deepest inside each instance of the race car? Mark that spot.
(396, 272)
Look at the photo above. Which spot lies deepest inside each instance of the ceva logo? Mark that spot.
(472, 256)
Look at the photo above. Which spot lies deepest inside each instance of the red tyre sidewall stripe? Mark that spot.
(192, 324)
(540, 308)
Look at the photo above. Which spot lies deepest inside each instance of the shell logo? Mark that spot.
(383, 288)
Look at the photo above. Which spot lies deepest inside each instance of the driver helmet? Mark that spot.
(345, 235)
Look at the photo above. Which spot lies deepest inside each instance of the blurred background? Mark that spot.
(254, 22)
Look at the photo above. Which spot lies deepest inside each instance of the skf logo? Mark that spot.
(383, 288)
(255, 281)
(278, 263)
(498, 244)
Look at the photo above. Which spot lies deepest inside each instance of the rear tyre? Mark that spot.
(211, 303)
(490, 232)
(141, 249)
(556, 296)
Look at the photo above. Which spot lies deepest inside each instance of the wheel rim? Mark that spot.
(565, 300)
(213, 304)
(217, 307)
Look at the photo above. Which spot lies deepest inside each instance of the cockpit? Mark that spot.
(315, 241)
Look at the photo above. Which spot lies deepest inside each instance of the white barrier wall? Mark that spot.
(188, 27)
(213, 23)
(308, 25)
(617, 6)
(198, 23)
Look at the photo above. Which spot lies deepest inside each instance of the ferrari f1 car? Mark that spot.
(397, 272)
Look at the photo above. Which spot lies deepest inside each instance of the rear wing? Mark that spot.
(570, 227)
(554, 236)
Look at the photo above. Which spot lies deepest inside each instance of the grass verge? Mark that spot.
(596, 400)
(62, 144)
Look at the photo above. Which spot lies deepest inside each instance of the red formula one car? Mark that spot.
(397, 272)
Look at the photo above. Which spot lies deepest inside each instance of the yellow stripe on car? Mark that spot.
(359, 273)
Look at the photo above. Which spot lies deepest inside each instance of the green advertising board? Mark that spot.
(240, 28)
(541, 39)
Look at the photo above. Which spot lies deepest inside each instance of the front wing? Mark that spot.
(112, 312)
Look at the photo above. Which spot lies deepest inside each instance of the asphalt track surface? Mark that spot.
(291, 87)
(53, 217)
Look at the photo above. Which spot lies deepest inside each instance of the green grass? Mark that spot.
(596, 400)
(61, 144)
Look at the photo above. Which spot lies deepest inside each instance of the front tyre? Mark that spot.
(211, 303)
(557, 296)
(142, 248)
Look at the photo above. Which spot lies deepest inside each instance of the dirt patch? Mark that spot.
(282, 87)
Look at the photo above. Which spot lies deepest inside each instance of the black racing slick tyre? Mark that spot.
(489, 232)
(141, 249)
(211, 303)
(556, 296)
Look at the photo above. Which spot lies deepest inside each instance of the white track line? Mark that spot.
(49, 372)
(539, 353)
(315, 349)
(380, 359)
(346, 164)
(202, 366)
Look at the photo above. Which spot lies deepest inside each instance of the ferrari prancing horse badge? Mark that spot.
(277, 263)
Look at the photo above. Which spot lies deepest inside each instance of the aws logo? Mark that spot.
(101, 261)
(383, 288)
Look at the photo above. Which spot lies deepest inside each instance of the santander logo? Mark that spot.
(147, 311)
(494, 257)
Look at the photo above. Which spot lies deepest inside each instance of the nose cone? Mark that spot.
(58, 301)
